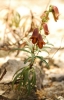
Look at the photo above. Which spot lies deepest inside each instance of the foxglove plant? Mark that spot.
(27, 75)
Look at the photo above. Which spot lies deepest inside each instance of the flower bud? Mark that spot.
(45, 27)
(44, 16)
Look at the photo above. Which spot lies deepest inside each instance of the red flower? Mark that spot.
(34, 36)
(40, 42)
(45, 28)
(55, 12)
(37, 38)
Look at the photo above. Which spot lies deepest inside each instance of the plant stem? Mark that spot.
(31, 64)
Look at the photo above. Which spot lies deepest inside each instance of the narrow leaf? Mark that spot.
(27, 60)
(43, 60)
(20, 49)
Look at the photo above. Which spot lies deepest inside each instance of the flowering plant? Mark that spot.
(36, 43)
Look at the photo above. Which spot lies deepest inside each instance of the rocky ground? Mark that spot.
(53, 84)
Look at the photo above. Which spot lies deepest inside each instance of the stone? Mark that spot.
(9, 68)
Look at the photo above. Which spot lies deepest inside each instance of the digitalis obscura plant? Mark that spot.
(27, 75)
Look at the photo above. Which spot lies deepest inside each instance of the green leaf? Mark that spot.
(18, 71)
(20, 84)
(28, 87)
(33, 57)
(15, 78)
(46, 47)
(25, 76)
(27, 60)
(20, 49)
(43, 49)
(34, 78)
(31, 80)
(43, 60)
(49, 44)
(29, 46)
(18, 74)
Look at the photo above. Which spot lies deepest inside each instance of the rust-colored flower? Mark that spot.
(45, 27)
(34, 36)
(55, 12)
(40, 42)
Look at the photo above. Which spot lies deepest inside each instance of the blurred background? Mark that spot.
(23, 7)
